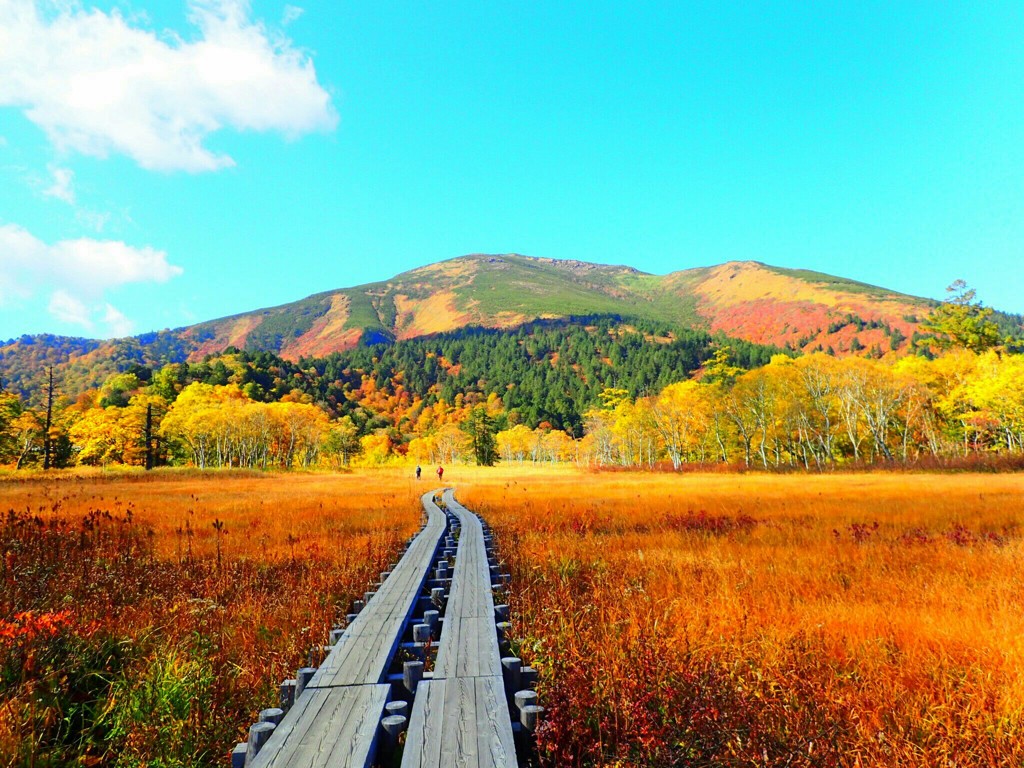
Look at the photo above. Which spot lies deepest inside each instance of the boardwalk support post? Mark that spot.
(287, 694)
(433, 618)
(529, 717)
(392, 726)
(421, 633)
(524, 699)
(259, 733)
(510, 669)
(302, 678)
(412, 673)
(273, 715)
(528, 677)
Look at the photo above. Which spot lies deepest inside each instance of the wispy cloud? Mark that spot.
(66, 308)
(97, 83)
(61, 188)
(76, 275)
(117, 323)
(291, 14)
(97, 221)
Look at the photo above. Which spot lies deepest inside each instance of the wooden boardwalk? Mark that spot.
(460, 716)
(335, 721)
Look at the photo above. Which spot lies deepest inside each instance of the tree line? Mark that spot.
(599, 390)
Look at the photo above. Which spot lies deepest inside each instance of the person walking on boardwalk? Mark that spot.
(440, 474)
(418, 471)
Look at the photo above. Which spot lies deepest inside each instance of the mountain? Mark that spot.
(797, 309)
(747, 300)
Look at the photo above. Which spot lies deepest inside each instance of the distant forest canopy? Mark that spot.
(550, 370)
(594, 389)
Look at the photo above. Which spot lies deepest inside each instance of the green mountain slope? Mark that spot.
(797, 309)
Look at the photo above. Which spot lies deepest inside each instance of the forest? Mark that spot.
(603, 391)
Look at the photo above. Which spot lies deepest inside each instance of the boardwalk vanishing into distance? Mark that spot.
(460, 716)
(351, 710)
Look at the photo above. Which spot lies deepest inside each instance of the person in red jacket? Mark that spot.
(440, 474)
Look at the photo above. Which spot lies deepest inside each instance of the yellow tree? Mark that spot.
(997, 393)
(514, 444)
(26, 433)
(819, 376)
(682, 417)
(636, 438)
(194, 422)
(600, 436)
(558, 446)
(105, 436)
(376, 449)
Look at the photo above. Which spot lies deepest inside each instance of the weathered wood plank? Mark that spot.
(423, 740)
(369, 644)
(457, 723)
(468, 648)
(334, 727)
(460, 717)
(494, 730)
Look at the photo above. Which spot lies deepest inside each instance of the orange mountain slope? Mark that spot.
(746, 299)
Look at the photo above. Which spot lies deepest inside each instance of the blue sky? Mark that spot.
(163, 163)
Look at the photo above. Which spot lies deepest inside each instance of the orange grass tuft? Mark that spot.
(873, 620)
(150, 617)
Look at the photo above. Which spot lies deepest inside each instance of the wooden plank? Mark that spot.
(468, 648)
(460, 723)
(423, 739)
(334, 727)
(372, 639)
(460, 717)
(494, 729)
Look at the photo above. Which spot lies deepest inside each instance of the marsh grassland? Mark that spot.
(144, 620)
(718, 619)
(873, 620)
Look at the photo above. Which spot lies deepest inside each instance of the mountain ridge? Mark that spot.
(504, 290)
(801, 310)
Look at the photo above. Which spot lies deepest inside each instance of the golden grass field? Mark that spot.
(766, 620)
(124, 639)
(867, 619)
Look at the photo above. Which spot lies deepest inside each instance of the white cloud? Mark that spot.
(97, 85)
(68, 309)
(291, 13)
(86, 265)
(117, 323)
(97, 221)
(61, 188)
(76, 274)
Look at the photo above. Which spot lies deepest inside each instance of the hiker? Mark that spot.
(440, 473)
(418, 471)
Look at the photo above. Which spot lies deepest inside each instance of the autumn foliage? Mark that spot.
(145, 621)
(855, 620)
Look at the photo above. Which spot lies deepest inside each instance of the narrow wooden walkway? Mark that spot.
(460, 716)
(335, 721)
